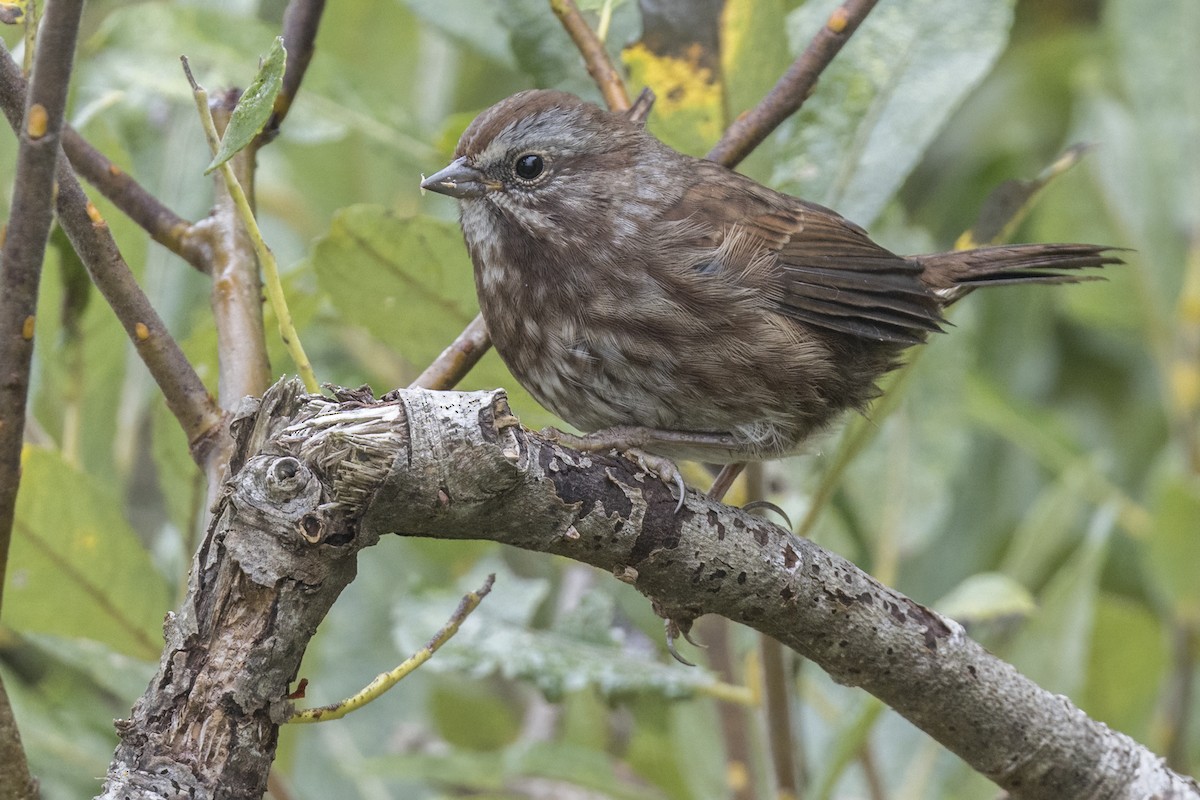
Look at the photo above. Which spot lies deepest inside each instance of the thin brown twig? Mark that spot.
(793, 88)
(38, 122)
(595, 57)
(456, 360)
(300, 23)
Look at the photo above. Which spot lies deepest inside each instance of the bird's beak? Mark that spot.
(459, 179)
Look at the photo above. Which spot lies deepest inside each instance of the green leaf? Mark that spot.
(1009, 202)
(254, 107)
(754, 53)
(407, 280)
(885, 97)
(78, 569)
(986, 597)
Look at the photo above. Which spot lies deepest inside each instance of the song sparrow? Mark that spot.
(670, 304)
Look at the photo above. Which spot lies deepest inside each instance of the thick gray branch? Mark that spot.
(315, 481)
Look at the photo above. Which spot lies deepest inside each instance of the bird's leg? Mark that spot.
(634, 437)
(725, 478)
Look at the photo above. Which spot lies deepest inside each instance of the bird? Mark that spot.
(671, 307)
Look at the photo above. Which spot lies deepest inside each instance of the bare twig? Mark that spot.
(387, 680)
(456, 360)
(791, 90)
(39, 125)
(300, 23)
(595, 57)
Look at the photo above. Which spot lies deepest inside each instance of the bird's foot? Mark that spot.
(663, 468)
(633, 441)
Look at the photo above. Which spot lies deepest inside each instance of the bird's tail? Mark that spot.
(954, 274)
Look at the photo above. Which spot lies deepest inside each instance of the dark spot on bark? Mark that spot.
(935, 628)
(843, 643)
(971, 669)
(843, 598)
(741, 578)
(786, 593)
(895, 610)
(761, 537)
(714, 521)
(790, 557)
(865, 598)
(717, 575)
(661, 524)
(847, 577)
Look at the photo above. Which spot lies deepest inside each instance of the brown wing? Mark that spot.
(816, 266)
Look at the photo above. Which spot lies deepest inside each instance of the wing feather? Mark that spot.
(814, 265)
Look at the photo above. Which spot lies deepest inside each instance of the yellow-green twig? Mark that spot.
(266, 259)
(387, 680)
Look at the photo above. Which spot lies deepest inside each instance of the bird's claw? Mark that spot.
(767, 505)
(674, 631)
(663, 468)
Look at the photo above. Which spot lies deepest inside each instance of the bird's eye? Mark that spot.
(529, 166)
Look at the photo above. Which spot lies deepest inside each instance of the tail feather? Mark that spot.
(954, 274)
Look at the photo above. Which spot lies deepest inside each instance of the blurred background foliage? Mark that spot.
(1036, 475)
